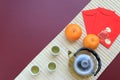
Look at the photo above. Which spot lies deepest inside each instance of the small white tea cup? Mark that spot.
(55, 50)
(51, 66)
(35, 70)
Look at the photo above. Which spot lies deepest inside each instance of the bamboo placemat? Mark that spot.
(62, 72)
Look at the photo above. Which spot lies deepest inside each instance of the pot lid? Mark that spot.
(84, 64)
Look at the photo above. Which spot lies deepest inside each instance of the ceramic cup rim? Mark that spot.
(49, 68)
(32, 72)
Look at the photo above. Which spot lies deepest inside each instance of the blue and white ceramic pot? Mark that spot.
(84, 64)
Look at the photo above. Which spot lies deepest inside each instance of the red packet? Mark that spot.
(104, 23)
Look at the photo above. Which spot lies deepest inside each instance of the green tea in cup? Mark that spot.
(52, 66)
(35, 70)
(55, 50)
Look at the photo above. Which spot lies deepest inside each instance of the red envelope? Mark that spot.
(104, 23)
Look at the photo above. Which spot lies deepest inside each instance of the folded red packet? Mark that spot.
(104, 23)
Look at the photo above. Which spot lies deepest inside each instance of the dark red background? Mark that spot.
(27, 26)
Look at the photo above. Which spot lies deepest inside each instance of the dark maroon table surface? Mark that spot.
(27, 26)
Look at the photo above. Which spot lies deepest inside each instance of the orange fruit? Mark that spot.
(73, 32)
(91, 41)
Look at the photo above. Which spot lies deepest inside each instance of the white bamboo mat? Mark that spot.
(62, 73)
